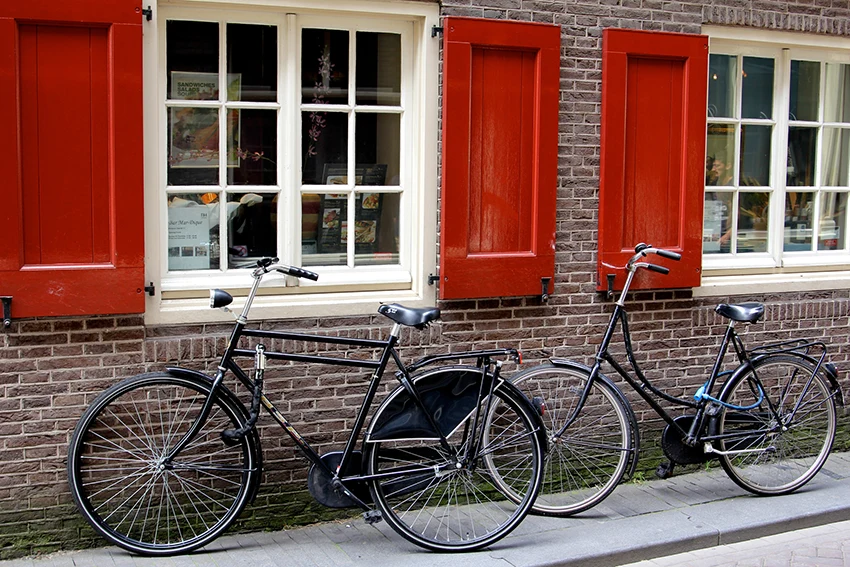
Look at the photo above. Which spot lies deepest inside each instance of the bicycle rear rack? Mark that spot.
(794, 346)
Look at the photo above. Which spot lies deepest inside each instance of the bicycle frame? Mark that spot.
(387, 351)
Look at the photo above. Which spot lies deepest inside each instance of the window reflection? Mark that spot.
(800, 169)
(324, 66)
(805, 84)
(755, 155)
(757, 88)
(798, 221)
(378, 69)
(753, 216)
(191, 53)
(376, 228)
(717, 223)
(836, 104)
(251, 228)
(835, 152)
(254, 147)
(324, 146)
(833, 219)
(720, 155)
(722, 71)
(377, 142)
(324, 229)
(252, 57)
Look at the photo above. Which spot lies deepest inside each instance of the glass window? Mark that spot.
(235, 185)
(800, 162)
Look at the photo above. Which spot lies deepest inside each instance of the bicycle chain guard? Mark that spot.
(675, 448)
(320, 487)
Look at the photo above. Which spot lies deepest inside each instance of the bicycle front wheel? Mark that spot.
(775, 442)
(122, 484)
(435, 498)
(585, 464)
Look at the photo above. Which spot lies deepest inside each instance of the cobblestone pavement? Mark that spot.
(821, 546)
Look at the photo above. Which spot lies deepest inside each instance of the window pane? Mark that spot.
(833, 219)
(252, 61)
(757, 88)
(755, 155)
(835, 157)
(193, 146)
(376, 228)
(324, 147)
(377, 148)
(717, 223)
(798, 217)
(753, 212)
(805, 86)
(720, 155)
(324, 66)
(192, 60)
(800, 170)
(252, 147)
(251, 228)
(193, 231)
(378, 69)
(836, 106)
(722, 74)
(324, 229)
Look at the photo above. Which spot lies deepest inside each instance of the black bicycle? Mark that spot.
(771, 425)
(162, 463)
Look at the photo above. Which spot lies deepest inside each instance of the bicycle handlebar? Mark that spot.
(266, 265)
(642, 250)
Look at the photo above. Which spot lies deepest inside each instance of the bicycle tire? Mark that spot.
(122, 488)
(590, 459)
(774, 459)
(440, 505)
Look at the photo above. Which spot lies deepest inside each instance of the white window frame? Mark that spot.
(775, 270)
(182, 297)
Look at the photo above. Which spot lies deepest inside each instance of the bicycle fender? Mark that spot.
(577, 366)
(225, 392)
(449, 393)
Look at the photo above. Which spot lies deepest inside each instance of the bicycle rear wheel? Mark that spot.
(126, 491)
(439, 502)
(776, 453)
(587, 462)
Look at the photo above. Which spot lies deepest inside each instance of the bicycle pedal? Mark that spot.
(664, 470)
(372, 517)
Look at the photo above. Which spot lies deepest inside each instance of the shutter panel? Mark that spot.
(71, 157)
(653, 153)
(499, 157)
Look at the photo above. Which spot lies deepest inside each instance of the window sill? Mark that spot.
(272, 305)
(750, 284)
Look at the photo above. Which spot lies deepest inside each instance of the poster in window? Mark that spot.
(333, 238)
(194, 131)
(189, 238)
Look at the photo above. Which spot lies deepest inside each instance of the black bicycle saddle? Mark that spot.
(408, 315)
(744, 312)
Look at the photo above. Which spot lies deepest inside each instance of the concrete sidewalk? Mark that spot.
(638, 521)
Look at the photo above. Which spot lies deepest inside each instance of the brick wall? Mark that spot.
(50, 369)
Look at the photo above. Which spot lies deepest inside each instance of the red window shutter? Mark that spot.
(71, 157)
(653, 153)
(499, 158)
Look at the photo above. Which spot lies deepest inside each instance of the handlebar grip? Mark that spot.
(301, 273)
(669, 254)
(657, 268)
